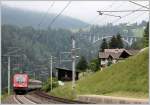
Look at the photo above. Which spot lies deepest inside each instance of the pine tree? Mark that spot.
(113, 43)
(104, 45)
(119, 41)
(82, 64)
(146, 35)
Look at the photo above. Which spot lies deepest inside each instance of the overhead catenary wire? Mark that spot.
(126, 15)
(139, 4)
(124, 11)
(111, 12)
(46, 13)
(43, 17)
(100, 13)
(93, 20)
(137, 17)
(54, 19)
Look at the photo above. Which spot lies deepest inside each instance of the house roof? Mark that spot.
(66, 69)
(114, 50)
(107, 54)
(115, 53)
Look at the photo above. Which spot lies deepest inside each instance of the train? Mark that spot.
(22, 83)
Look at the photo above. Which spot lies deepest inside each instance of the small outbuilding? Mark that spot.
(64, 74)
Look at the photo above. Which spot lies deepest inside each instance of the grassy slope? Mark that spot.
(128, 79)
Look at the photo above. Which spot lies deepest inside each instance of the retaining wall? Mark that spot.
(98, 99)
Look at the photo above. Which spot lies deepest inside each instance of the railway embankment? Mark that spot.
(125, 79)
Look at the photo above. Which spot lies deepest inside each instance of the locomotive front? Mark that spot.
(20, 82)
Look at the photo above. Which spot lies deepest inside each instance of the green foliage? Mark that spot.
(146, 35)
(94, 65)
(137, 45)
(67, 89)
(116, 42)
(113, 43)
(144, 42)
(119, 41)
(82, 64)
(104, 45)
(128, 79)
(47, 85)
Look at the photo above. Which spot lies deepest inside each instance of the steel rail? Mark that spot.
(58, 99)
(21, 101)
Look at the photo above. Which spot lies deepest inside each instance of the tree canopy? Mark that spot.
(82, 64)
(116, 42)
(146, 35)
(104, 45)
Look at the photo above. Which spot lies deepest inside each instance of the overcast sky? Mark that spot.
(86, 10)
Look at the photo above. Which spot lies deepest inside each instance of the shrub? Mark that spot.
(47, 85)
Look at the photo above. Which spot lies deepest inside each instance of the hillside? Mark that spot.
(126, 79)
(22, 18)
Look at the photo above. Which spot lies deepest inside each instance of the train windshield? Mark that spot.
(20, 79)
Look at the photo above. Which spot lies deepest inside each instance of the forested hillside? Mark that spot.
(22, 18)
(38, 45)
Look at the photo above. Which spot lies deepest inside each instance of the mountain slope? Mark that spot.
(21, 18)
(128, 79)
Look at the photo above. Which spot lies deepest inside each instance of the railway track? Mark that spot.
(38, 97)
(54, 99)
(23, 99)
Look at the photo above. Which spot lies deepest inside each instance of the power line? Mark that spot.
(100, 13)
(92, 21)
(46, 13)
(115, 8)
(137, 17)
(124, 11)
(60, 13)
(126, 15)
(139, 4)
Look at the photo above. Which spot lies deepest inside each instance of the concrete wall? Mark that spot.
(97, 99)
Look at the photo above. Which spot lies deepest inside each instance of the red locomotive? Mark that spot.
(20, 82)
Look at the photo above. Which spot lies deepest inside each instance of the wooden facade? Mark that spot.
(64, 74)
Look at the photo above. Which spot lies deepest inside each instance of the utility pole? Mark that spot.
(34, 75)
(8, 75)
(73, 62)
(73, 52)
(8, 55)
(8, 67)
(51, 71)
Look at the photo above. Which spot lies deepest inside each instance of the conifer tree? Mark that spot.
(113, 43)
(119, 41)
(146, 35)
(104, 45)
(82, 64)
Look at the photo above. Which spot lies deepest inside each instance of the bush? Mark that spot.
(47, 85)
(94, 65)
